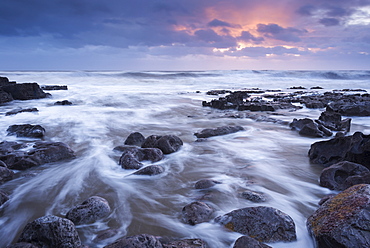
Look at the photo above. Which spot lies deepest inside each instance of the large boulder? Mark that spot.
(197, 212)
(137, 241)
(343, 220)
(135, 139)
(26, 130)
(309, 128)
(205, 133)
(343, 175)
(89, 211)
(265, 224)
(132, 156)
(5, 96)
(248, 242)
(355, 148)
(167, 143)
(25, 91)
(51, 231)
(334, 122)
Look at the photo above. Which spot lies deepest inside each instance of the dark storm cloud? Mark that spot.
(277, 32)
(329, 22)
(219, 23)
(248, 37)
(211, 38)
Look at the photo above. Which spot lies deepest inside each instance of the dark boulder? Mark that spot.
(355, 148)
(54, 87)
(205, 133)
(253, 196)
(132, 156)
(342, 175)
(217, 92)
(48, 152)
(150, 170)
(197, 212)
(4, 81)
(89, 211)
(5, 174)
(105, 234)
(265, 224)
(135, 139)
(309, 128)
(248, 242)
(167, 143)
(206, 183)
(343, 220)
(51, 231)
(334, 122)
(350, 108)
(137, 241)
(17, 111)
(5, 96)
(3, 197)
(26, 130)
(25, 91)
(63, 103)
(186, 243)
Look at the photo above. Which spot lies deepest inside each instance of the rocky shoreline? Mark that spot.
(340, 221)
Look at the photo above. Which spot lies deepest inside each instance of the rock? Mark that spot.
(206, 183)
(4, 81)
(51, 231)
(17, 111)
(197, 212)
(89, 211)
(105, 234)
(334, 122)
(206, 133)
(26, 130)
(3, 197)
(265, 224)
(40, 153)
(253, 196)
(54, 87)
(186, 243)
(350, 108)
(248, 242)
(5, 174)
(135, 139)
(217, 92)
(343, 221)
(5, 96)
(309, 128)
(22, 245)
(132, 156)
(355, 148)
(167, 143)
(150, 170)
(64, 102)
(342, 175)
(137, 241)
(25, 91)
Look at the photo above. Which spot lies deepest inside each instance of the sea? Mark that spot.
(266, 157)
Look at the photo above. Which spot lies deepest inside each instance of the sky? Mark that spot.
(184, 34)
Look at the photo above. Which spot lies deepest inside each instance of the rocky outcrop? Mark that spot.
(132, 156)
(5, 174)
(167, 143)
(343, 175)
(137, 241)
(355, 148)
(17, 111)
(307, 127)
(350, 108)
(51, 231)
(334, 122)
(54, 87)
(63, 103)
(343, 220)
(206, 133)
(27, 130)
(89, 211)
(5, 96)
(265, 224)
(39, 153)
(25, 91)
(197, 212)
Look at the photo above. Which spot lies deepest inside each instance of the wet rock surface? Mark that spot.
(18, 111)
(265, 224)
(24, 91)
(63, 103)
(343, 220)
(5, 174)
(253, 196)
(167, 143)
(197, 212)
(248, 242)
(27, 130)
(54, 87)
(186, 243)
(135, 139)
(132, 156)
(137, 241)
(343, 175)
(89, 211)
(206, 133)
(3, 197)
(22, 245)
(206, 183)
(150, 170)
(51, 231)
(308, 127)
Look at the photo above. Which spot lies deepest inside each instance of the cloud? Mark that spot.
(277, 32)
(219, 23)
(248, 37)
(329, 22)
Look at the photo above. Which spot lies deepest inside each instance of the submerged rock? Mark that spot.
(63, 103)
(3, 197)
(186, 243)
(5, 174)
(132, 156)
(343, 220)
(253, 196)
(51, 231)
(54, 87)
(248, 242)
(206, 133)
(17, 111)
(150, 170)
(135, 139)
(206, 183)
(265, 224)
(167, 143)
(89, 211)
(343, 175)
(26, 130)
(137, 241)
(197, 212)
(355, 148)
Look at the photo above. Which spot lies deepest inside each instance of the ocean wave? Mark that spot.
(167, 74)
(333, 75)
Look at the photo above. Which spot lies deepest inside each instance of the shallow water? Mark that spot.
(108, 106)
